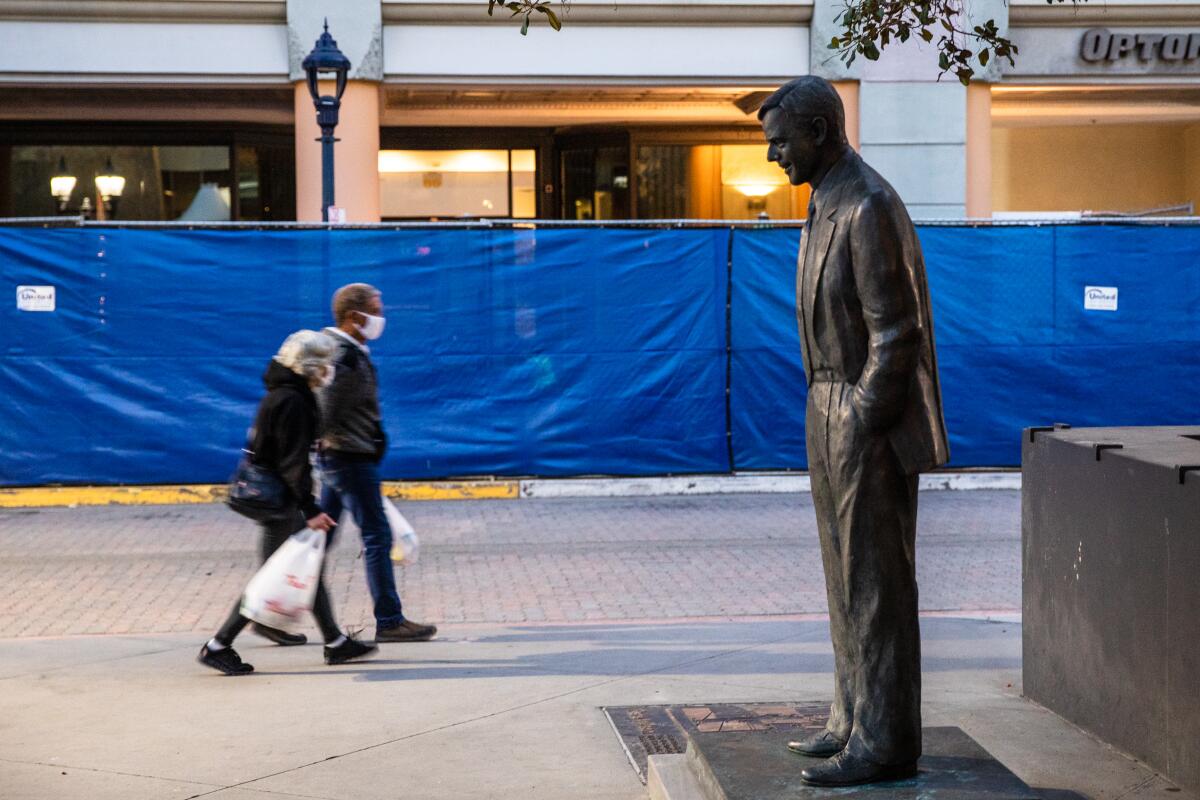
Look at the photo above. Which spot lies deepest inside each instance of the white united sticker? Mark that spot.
(1100, 298)
(35, 298)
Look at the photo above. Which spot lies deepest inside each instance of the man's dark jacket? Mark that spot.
(285, 429)
(863, 307)
(351, 425)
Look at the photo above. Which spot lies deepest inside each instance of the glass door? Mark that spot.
(594, 176)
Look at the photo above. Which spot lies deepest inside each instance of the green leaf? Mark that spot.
(525, 27)
(944, 62)
(927, 34)
(555, 22)
(964, 75)
(983, 56)
(870, 51)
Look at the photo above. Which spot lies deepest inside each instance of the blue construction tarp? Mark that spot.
(562, 351)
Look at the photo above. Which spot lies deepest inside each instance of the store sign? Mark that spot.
(1100, 298)
(35, 298)
(1101, 44)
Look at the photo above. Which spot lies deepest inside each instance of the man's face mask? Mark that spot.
(373, 327)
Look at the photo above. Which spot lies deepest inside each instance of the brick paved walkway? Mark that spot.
(179, 568)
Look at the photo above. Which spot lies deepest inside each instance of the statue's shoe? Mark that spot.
(822, 745)
(845, 769)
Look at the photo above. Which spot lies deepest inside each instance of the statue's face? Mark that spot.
(795, 148)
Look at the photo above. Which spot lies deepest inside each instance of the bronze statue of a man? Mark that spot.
(873, 422)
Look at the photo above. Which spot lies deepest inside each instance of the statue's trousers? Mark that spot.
(866, 510)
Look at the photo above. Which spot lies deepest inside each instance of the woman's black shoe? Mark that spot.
(349, 650)
(224, 660)
(279, 637)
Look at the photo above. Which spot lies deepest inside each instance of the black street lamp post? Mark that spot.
(325, 58)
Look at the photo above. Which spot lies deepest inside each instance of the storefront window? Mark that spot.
(432, 184)
(194, 183)
(715, 181)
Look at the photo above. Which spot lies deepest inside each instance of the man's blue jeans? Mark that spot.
(354, 486)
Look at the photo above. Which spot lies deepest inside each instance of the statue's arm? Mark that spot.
(887, 289)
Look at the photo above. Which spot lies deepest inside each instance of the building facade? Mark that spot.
(197, 110)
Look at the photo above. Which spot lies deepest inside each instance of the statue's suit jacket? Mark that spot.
(863, 307)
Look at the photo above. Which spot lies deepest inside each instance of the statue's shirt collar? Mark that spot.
(830, 181)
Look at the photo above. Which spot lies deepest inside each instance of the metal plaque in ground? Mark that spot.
(663, 730)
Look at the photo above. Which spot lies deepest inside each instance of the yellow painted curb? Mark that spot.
(54, 496)
(69, 496)
(453, 490)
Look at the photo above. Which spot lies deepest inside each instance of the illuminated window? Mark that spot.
(190, 182)
(423, 184)
(714, 181)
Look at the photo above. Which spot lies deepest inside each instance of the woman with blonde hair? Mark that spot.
(285, 429)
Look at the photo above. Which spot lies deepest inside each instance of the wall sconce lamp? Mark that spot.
(110, 185)
(756, 194)
(61, 186)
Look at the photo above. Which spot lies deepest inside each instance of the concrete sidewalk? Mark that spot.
(549, 609)
(486, 711)
(177, 569)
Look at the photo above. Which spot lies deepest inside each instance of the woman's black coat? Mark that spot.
(284, 431)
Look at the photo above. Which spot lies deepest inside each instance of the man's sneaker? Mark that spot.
(350, 650)
(282, 638)
(224, 660)
(407, 631)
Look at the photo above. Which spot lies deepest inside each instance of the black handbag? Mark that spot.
(257, 492)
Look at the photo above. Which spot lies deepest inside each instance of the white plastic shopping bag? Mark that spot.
(283, 590)
(406, 545)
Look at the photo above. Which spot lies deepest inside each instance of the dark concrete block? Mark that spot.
(758, 766)
(1111, 587)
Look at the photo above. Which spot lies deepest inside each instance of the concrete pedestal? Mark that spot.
(1110, 523)
(757, 766)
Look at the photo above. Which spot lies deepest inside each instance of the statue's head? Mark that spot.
(805, 126)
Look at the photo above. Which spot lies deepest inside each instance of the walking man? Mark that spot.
(352, 445)
(873, 422)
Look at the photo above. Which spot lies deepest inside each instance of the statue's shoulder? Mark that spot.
(866, 192)
(869, 184)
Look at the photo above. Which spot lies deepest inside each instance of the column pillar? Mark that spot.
(826, 63)
(357, 25)
(848, 90)
(979, 150)
(929, 136)
(356, 155)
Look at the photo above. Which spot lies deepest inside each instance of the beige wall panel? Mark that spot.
(1100, 168)
(1191, 161)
